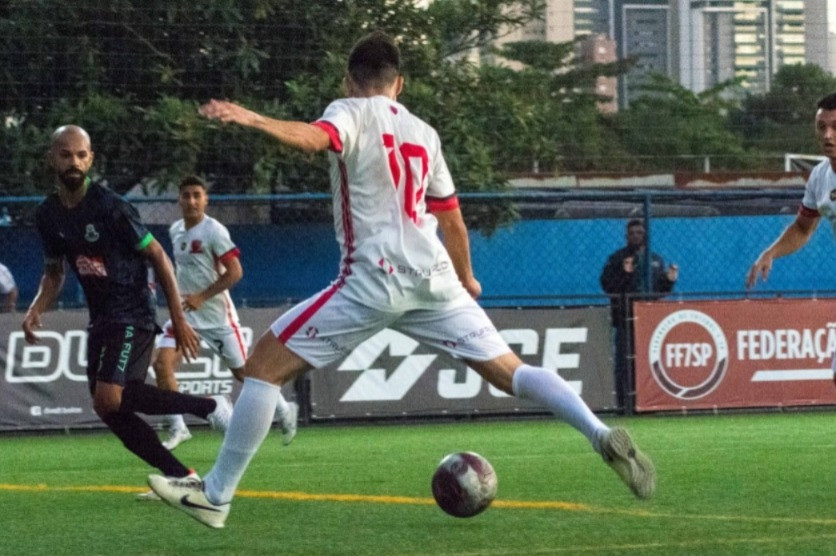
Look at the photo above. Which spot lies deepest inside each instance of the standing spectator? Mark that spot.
(624, 279)
(207, 265)
(391, 192)
(100, 236)
(8, 289)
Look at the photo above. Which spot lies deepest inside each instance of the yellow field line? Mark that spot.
(419, 501)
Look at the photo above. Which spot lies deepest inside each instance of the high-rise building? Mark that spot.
(567, 20)
(599, 48)
(717, 40)
(820, 32)
(642, 31)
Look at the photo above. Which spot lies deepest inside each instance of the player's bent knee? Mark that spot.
(261, 371)
(498, 371)
(104, 406)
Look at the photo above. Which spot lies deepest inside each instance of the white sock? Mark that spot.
(174, 422)
(281, 407)
(548, 389)
(248, 427)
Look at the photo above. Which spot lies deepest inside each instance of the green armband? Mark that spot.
(145, 242)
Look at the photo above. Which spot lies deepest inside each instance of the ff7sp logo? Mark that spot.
(375, 384)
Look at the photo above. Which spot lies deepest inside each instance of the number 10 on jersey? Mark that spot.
(413, 185)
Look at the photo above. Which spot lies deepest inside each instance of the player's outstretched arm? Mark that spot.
(791, 240)
(186, 338)
(299, 135)
(457, 242)
(51, 283)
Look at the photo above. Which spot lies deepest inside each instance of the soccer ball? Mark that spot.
(464, 484)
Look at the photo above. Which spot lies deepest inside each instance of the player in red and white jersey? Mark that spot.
(391, 191)
(819, 200)
(392, 258)
(207, 266)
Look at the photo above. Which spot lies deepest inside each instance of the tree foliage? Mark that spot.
(781, 120)
(670, 121)
(133, 73)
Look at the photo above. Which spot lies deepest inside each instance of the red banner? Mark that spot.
(726, 354)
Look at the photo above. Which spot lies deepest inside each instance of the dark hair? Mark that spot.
(374, 61)
(192, 180)
(635, 222)
(827, 102)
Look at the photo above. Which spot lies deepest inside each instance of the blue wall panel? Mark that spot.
(532, 258)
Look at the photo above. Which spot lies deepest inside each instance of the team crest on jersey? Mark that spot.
(386, 265)
(196, 246)
(833, 194)
(90, 233)
(91, 266)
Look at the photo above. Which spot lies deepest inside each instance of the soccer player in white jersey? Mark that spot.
(207, 266)
(819, 200)
(391, 192)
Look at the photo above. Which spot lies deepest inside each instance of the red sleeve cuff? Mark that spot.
(231, 254)
(440, 205)
(333, 134)
(807, 211)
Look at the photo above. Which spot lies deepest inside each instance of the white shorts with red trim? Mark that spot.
(227, 342)
(327, 326)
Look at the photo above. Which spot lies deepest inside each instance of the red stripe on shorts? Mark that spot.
(234, 324)
(305, 316)
(348, 232)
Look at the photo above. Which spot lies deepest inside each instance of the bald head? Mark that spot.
(70, 155)
(65, 132)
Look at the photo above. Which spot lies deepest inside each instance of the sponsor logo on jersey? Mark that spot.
(91, 266)
(438, 268)
(90, 233)
(386, 265)
(196, 247)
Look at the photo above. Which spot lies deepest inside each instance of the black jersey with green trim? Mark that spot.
(101, 238)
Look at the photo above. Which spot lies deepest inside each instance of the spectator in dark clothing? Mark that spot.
(624, 279)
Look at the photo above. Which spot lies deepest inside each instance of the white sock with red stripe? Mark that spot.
(248, 427)
(548, 389)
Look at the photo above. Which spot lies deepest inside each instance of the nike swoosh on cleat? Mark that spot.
(186, 502)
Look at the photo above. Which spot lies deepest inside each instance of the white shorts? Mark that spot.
(225, 341)
(327, 326)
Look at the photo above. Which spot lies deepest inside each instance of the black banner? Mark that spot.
(393, 375)
(45, 386)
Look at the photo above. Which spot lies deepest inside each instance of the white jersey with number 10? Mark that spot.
(386, 167)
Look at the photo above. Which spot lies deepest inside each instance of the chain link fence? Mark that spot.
(552, 254)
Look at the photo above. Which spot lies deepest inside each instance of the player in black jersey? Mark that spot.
(101, 237)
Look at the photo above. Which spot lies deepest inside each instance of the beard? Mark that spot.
(72, 179)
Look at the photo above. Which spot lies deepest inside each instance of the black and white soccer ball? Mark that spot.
(464, 484)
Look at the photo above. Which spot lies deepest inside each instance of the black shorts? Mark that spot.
(118, 354)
